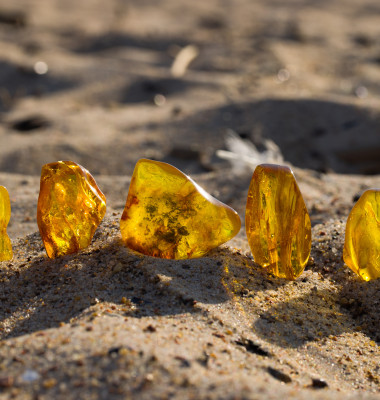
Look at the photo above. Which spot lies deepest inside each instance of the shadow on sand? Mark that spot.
(41, 293)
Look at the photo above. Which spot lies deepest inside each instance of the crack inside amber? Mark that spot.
(5, 215)
(362, 240)
(168, 215)
(277, 222)
(70, 208)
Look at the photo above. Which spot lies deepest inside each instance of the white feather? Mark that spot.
(243, 154)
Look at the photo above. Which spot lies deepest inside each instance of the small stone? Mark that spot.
(150, 328)
(318, 383)
(125, 301)
(277, 222)
(252, 347)
(30, 375)
(117, 268)
(5, 215)
(167, 215)
(279, 375)
(6, 381)
(362, 241)
(70, 208)
(30, 123)
(49, 383)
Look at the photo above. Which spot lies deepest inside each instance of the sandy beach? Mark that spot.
(107, 83)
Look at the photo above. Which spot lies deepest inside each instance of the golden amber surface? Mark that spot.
(362, 241)
(70, 208)
(5, 215)
(168, 215)
(277, 222)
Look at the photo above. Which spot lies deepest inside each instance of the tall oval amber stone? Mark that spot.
(277, 222)
(70, 208)
(5, 215)
(168, 215)
(362, 241)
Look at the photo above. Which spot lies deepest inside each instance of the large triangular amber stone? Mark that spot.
(362, 242)
(168, 215)
(70, 208)
(5, 215)
(277, 222)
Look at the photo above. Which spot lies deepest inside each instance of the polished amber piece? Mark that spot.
(277, 222)
(168, 215)
(362, 242)
(5, 215)
(70, 208)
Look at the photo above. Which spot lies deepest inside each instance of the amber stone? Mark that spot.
(168, 215)
(277, 222)
(70, 208)
(362, 241)
(5, 215)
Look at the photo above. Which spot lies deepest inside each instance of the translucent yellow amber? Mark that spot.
(168, 215)
(277, 222)
(5, 215)
(362, 242)
(70, 208)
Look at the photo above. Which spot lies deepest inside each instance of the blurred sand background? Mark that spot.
(104, 83)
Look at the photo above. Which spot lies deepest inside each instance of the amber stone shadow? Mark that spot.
(303, 319)
(319, 314)
(303, 312)
(361, 301)
(357, 299)
(42, 293)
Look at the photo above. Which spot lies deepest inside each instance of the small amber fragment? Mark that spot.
(362, 242)
(70, 208)
(277, 222)
(168, 215)
(5, 215)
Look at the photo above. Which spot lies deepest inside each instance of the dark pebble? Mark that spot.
(252, 347)
(114, 351)
(319, 384)
(6, 381)
(280, 376)
(30, 124)
(203, 360)
(15, 18)
(363, 40)
(184, 362)
(150, 328)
